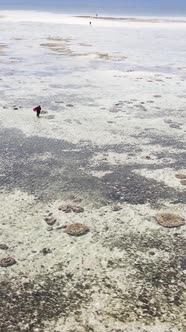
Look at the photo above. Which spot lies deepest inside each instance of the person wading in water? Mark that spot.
(37, 110)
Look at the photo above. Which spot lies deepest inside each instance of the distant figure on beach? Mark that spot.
(90, 23)
(37, 110)
(96, 15)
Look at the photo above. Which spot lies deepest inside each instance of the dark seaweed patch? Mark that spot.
(125, 186)
(26, 306)
(62, 172)
(49, 178)
(157, 284)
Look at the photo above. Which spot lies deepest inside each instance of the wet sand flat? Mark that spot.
(109, 154)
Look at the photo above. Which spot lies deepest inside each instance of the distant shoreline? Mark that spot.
(101, 21)
(147, 19)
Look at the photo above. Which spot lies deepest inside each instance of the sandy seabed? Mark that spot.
(114, 136)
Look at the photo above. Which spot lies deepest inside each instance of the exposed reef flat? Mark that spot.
(93, 201)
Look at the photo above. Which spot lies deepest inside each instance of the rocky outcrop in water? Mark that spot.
(69, 208)
(77, 229)
(6, 262)
(170, 220)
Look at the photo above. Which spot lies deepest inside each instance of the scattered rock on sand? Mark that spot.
(3, 246)
(65, 208)
(183, 182)
(69, 208)
(74, 198)
(174, 125)
(170, 220)
(76, 229)
(46, 251)
(116, 208)
(50, 220)
(50, 228)
(49, 213)
(180, 176)
(77, 209)
(148, 157)
(6, 262)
